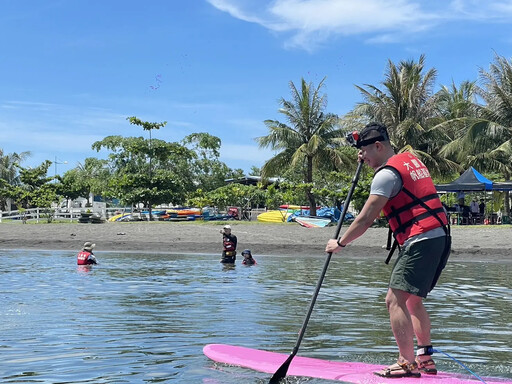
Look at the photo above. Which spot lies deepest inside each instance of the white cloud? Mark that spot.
(494, 10)
(235, 9)
(256, 127)
(36, 126)
(35, 138)
(346, 16)
(311, 22)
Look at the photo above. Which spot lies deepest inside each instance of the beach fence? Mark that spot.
(49, 214)
(38, 214)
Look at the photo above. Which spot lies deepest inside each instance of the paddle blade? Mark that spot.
(281, 372)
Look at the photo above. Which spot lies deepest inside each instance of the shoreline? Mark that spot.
(471, 243)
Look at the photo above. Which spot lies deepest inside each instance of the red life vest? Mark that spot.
(83, 258)
(249, 261)
(416, 208)
(229, 243)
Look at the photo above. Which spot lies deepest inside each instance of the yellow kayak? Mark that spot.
(274, 216)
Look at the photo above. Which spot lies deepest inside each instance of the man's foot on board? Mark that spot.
(402, 368)
(427, 366)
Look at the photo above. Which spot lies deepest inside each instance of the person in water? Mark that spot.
(403, 189)
(229, 245)
(248, 259)
(85, 256)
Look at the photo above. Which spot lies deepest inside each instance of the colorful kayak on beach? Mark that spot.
(349, 372)
(313, 222)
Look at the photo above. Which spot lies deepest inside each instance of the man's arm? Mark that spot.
(371, 210)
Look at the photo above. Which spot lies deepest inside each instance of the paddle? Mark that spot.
(283, 369)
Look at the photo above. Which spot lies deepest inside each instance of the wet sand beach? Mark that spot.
(479, 243)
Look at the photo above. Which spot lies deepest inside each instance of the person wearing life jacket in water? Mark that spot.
(229, 243)
(248, 259)
(85, 256)
(403, 189)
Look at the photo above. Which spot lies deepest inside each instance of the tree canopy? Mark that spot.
(450, 128)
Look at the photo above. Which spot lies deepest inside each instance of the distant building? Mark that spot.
(253, 180)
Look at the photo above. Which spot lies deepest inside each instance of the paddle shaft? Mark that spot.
(283, 369)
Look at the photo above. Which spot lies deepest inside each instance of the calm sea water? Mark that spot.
(144, 318)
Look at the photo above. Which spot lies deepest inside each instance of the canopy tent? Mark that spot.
(502, 186)
(470, 181)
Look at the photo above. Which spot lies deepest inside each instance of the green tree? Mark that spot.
(170, 177)
(35, 188)
(71, 185)
(496, 91)
(237, 195)
(90, 178)
(147, 126)
(273, 197)
(255, 171)
(457, 102)
(9, 172)
(457, 115)
(209, 172)
(338, 183)
(482, 138)
(95, 175)
(308, 142)
(407, 105)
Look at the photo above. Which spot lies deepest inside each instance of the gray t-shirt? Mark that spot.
(388, 183)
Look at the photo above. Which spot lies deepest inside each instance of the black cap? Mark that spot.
(365, 136)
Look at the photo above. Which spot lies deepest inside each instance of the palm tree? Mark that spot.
(8, 168)
(484, 139)
(407, 105)
(457, 116)
(457, 102)
(496, 91)
(93, 177)
(309, 140)
(9, 171)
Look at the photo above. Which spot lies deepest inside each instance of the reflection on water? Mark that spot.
(145, 317)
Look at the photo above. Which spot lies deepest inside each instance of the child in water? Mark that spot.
(248, 259)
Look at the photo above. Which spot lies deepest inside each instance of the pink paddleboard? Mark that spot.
(269, 362)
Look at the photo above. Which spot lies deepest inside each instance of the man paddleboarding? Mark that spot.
(403, 189)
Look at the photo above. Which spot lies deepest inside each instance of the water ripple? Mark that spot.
(145, 318)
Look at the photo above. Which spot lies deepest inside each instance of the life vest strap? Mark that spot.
(393, 248)
(433, 212)
(429, 212)
(416, 201)
(446, 226)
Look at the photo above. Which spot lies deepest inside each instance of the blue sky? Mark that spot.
(71, 72)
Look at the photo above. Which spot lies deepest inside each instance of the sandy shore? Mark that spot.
(469, 242)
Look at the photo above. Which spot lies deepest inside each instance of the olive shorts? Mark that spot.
(416, 266)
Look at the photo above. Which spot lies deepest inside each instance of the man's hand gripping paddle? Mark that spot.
(283, 369)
